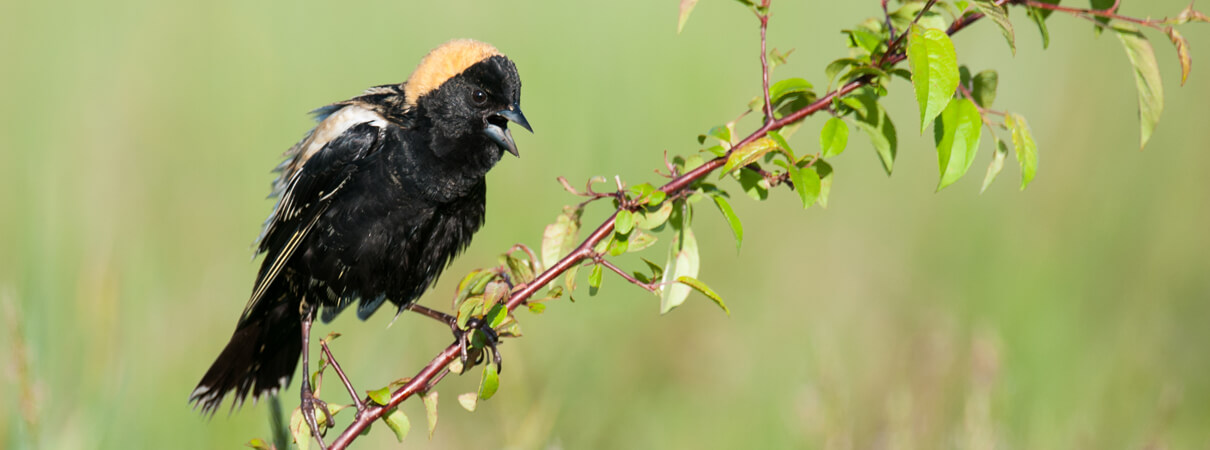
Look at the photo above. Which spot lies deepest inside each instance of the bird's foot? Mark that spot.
(309, 403)
(468, 349)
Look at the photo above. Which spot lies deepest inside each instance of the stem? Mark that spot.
(421, 380)
(341, 374)
(764, 62)
(650, 287)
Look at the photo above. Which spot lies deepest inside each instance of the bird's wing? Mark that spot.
(316, 173)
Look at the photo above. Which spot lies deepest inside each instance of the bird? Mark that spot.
(372, 205)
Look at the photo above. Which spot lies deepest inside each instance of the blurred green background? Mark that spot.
(136, 140)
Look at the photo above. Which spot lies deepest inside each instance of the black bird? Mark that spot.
(373, 204)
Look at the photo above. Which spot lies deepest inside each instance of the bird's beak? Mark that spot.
(497, 127)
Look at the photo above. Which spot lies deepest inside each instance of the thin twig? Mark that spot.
(608, 265)
(343, 379)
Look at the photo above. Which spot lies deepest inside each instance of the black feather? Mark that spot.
(374, 215)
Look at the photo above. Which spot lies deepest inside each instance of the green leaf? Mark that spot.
(652, 218)
(838, 66)
(806, 183)
(934, 71)
(957, 133)
(619, 245)
(824, 171)
(471, 307)
(705, 290)
(640, 241)
(866, 40)
(430, 411)
(469, 401)
(624, 222)
(722, 133)
(559, 237)
(737, 228)
(1026, 149)
(834, 137)
(875, 121)
(999, 15)
(754, 185)
(1182, 52)
(259, 444)
(748, 154)
(996, 165)
(781, 142)
(682, 262)
(1146, 78)
(1102, 5)
(1039, 17)
(380, 396)
(983, 88)
(686, 8)
(780, 89)
(490, 383)
(398, 422)
(300, 430)
(594, 279)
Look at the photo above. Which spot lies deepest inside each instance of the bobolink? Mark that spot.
(373, 204)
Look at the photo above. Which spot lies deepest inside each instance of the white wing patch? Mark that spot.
(328, 129)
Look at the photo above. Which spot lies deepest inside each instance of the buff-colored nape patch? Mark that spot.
(443, 63)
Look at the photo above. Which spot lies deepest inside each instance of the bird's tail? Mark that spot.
(259, 359)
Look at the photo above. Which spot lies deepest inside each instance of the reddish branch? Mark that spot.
(427, 376)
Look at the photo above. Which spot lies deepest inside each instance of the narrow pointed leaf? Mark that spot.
(682, 262)
(430, 410)
(781, 143)
(748, 154)
(1182, 52)
(1146, 78)
(705, 290)
(934, 71)
(957, 133)
(874, 120)
(996, 165)
(737, 228)
(999, 15)
(1039, 17)
(1026, 148)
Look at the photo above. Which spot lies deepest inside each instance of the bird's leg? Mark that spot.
(308, 401)
(463, 336)
(343, 379)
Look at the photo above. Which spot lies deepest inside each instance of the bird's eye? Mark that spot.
(478, 96)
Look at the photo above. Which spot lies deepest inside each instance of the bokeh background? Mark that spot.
(136, 139)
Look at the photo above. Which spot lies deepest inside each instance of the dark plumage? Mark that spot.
(374, 203)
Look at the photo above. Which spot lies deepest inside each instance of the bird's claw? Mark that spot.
(309, 403)
(466, 353)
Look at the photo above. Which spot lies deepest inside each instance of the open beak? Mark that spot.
(497, 127)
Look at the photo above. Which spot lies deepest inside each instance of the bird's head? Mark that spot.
(469, 92)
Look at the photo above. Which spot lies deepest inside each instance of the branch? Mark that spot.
(423, 379)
